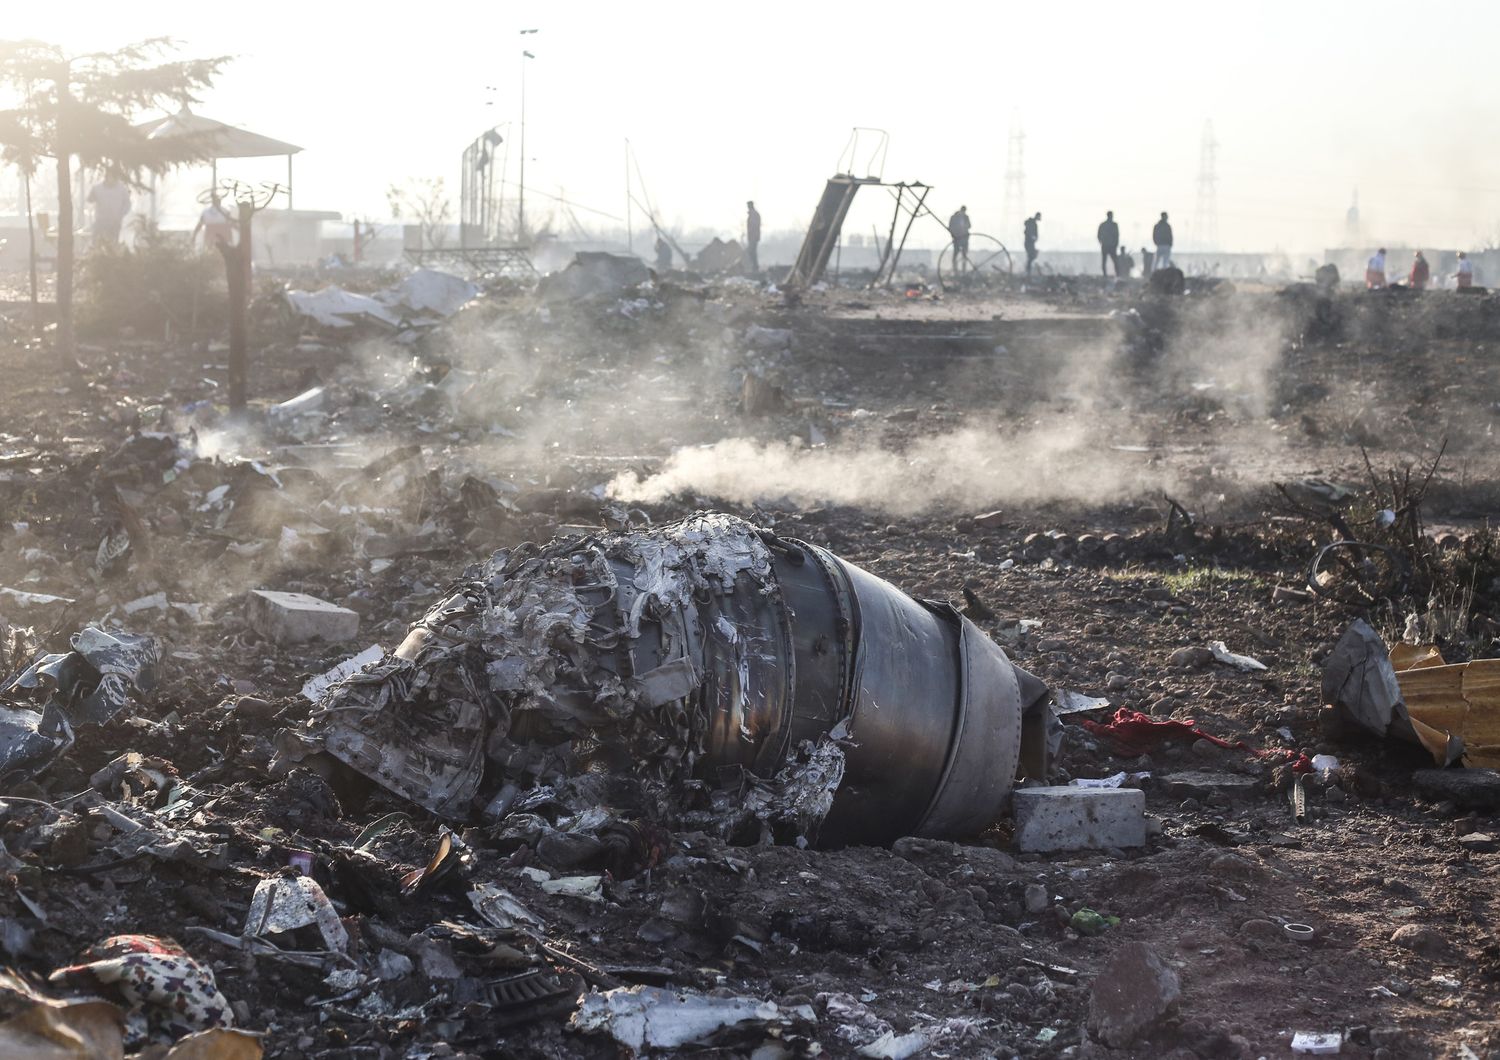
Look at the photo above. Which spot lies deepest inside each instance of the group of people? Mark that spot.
(1111, 251)
(959, 226)
(1421, 273)
(110, 199)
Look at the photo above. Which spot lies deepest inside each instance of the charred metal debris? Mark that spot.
(705, 675)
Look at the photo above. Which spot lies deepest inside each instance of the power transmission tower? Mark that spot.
(1014, 204)
(1206, 216)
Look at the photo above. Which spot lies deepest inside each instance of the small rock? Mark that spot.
(1335, 794)
(1036, 898)
(1050, 644)
(989, 520)
(392, 965)
(1419, 939)
(1206, 749)
(1117, 682)
(1261, 931)
(1132, 992)
(1201, 784)
(1478, 843)
(1191, 657)
(1235, 866)
(435, 957)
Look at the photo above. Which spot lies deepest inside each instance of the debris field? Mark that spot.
(632, 667)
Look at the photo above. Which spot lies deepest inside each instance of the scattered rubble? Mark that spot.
(639, 786)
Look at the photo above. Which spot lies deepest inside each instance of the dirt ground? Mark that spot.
(1025, 445)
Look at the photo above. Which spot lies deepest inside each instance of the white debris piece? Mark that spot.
(589, 888)
(1324, 1043)
(291, 618)
(315, 687)
(501, 908)
(156, 601)
(1116, 780)
(285, 903)
(642, 1017)
(1066, 701)
(1239, 662)
(893, 1046)
(214, 498)
(23, 598)
(430, 291)
(334, 307)
(304, 403)
(1067, 818)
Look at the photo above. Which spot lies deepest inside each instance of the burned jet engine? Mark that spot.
(705, 670)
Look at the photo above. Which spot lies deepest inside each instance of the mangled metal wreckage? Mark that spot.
(700, 675)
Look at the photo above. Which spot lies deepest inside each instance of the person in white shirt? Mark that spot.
(111, 200)
(1464, 277)
(216, 225)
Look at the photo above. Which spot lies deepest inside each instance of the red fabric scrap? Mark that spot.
(1134, 733)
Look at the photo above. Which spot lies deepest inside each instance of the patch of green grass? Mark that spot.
(1207, 579)
(1193, 579)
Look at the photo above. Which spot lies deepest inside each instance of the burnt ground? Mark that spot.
(1074, 411)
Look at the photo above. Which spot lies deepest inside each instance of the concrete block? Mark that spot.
(1061, 818)
(292, 618)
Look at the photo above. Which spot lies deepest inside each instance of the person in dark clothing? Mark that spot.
(1030, 233)
(958, 228)
(1109, 243)
(752, 236)
(1124, 264)
(663, 254)
(1147, 261)
(1161, 235)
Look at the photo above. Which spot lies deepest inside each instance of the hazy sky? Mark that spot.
(724, 102)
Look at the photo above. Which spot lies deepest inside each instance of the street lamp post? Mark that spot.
(521, 206)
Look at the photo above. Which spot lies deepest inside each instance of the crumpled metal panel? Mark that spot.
(42, 705)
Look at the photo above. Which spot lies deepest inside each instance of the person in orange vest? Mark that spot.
(1420, 273)
(1375, 270)
(1464, 277)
